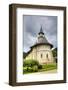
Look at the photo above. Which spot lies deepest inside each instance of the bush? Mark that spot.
(31, 66)
(35, 68)
(29, 69)
(30, 63)
(24, 69)
(39, 66)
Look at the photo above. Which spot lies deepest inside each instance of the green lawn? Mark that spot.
(45, 67)
(48, 67)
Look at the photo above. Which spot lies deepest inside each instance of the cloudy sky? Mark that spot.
(32, 25)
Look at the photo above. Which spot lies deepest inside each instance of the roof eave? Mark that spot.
(42, 44)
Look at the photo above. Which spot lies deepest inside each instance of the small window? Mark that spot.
(47, 55)
(41, 55)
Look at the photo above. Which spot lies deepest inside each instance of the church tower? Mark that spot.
(41, 50)
(41, 37)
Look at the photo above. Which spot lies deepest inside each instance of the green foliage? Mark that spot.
(49, 66)
(25, 69)
(30, 66)
(39, 66)
(35, 68)
(54, 52)
(24, 55)
(29, 69)
(30, 63)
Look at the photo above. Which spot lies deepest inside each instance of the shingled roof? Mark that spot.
(42, 39)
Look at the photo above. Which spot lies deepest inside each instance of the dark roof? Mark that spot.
(28, 52)
(41, 41)
(41, 31)
(38, 44)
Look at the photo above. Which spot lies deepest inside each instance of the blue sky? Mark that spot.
(32, 25)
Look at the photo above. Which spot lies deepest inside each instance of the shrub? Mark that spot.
(35, 68)
(24, 69)
(25, 63)
(29, 69)
(39, 66)
(31, 66)
(30, 63)
(34, 62)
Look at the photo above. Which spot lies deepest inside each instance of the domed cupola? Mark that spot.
(41, 37)
(41, 40)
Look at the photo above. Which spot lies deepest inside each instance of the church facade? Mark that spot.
(41, 50)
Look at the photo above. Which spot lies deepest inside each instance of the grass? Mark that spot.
(45, 67)
(48, 67)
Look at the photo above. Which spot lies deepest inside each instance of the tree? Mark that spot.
(24, 54)
(54, 51)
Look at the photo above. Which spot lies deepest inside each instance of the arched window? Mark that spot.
(41, 55)
(46, 55)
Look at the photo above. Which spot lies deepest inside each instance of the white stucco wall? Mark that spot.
(42, 53)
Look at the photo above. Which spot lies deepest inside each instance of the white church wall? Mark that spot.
(42, 53)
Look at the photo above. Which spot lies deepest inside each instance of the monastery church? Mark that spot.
(41, 50)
